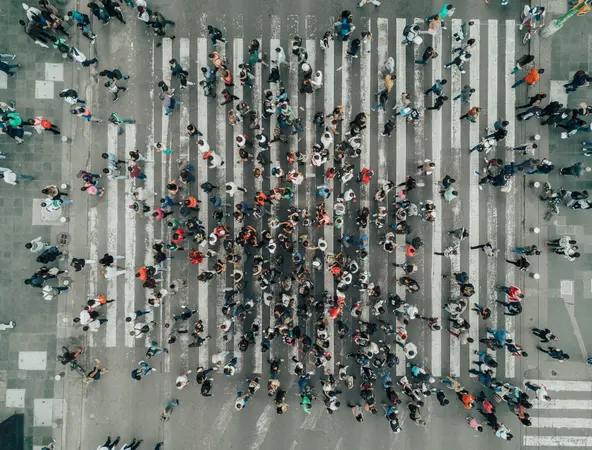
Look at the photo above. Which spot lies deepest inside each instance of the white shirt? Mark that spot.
(216, 161)
(110, 272)
(231, 188)
(9, 175)
(203, 148)
(52, 205)
(38, 246)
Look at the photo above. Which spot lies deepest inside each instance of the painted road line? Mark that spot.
(563, 404)
(560, 422)
(328, 105)
(93, 254)
(262, 426)
(219, 146)
(167, 55)
(365, 95)
(510, 115)
(559, 385)
(185, 61)
(112, 222)
(492, 107)
(436, 272)
(239, 91)
(557, 441)
(130, 241)
(475, 235)
(202, 176)
(456, 150)
(401, 147)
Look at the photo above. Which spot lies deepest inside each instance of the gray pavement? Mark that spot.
(119, 405)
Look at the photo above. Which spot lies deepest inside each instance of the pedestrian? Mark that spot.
(78, 56)
(437, 87)
(135, 171)
(6, 68)
(95, 375)
(389, 127)
(522, 62)
(429, 53)
(531, 78)
(354, 48)
(70, 96)
(545, 335)
(555, 353)
(472, 114)
(539, 390)
(80, 263)
(40, 124)
(49, 446)
(449, 194)
(132, 445)
(580, 79)
(10, 177)
(522, 263)
(215, 35)
(487, 248)
(84, 113)
(529, 113)
(576, 170)
(108, 445)
(55, 204)
(438, 103)
(137, 314)
(113, 87)
(459, 62)
(154, 350)
(535, 100)
(465, 94)
(527, 148)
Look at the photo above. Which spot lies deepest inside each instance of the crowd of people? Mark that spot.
(271, 249)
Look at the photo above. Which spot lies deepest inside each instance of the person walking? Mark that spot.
(522, 263)
(96, 372)
(459, 62)
(78, 56)
(437, 87)
(10, 177)
(531, 78)
(215, 35)
(6, 68)
(465, 94)
(555, 353)
(55, 204)
(438, 103)
(545, 335)
(429, 53)
(80, 263)
(575, 170)
(132, 445)
(84, 113)
(535, 100)
(580, 79)
(522, 62)
(108, 445)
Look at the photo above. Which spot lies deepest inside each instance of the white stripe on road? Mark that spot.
(559, 385)
(456, 150)
(562, 404)
(202, 176)
(474, 237)
(557, 441)
(237, 174)
(112, 222)
(436, 273)
(262, 426)
(492, 93)
(167, 55)
(93, 240)
(328, 105)
(560, 422)
(130, 240)
(510, 113)
(365, 93)
(220, 148)
(184, 60)
(401, 147)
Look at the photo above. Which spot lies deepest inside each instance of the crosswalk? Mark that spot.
(563, 421)
(439, 136)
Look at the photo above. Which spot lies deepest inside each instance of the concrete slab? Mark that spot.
(54, 72)
(555, 7)
(15, 398)
(44, 90)
(43, 217)
(557, 91)
(3, 81)
(567, 287)
(32, 360)
(46, 411)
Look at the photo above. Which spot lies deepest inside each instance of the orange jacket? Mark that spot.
(142, 273)
(533, 76)
(191, 202)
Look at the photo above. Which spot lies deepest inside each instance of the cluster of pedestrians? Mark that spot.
(282, 266)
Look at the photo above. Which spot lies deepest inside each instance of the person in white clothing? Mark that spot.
(231, 188)
(111, 272)
(12, 178)
(182, 379)
(280, 57)
(133, 445)
(203, 146)
(317, 80)
(37, 246)
(215, 160)
(539, 390)
(376, 3)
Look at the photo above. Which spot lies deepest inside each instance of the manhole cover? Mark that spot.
(63, 239)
